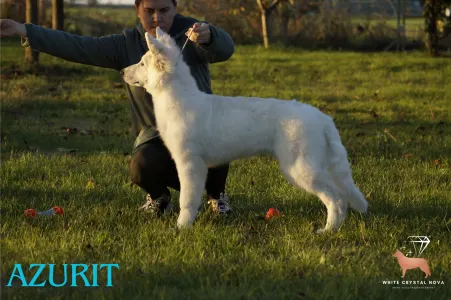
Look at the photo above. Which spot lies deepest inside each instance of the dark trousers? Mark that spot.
(153, 169)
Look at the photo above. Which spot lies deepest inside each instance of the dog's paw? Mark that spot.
(322, 230)
(185, 219)
(183, 225)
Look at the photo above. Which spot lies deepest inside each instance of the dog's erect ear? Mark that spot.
(154, 45)
(165, 39)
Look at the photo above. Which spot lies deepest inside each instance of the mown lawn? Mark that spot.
(392, 110)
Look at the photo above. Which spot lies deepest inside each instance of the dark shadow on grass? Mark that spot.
(310, 210)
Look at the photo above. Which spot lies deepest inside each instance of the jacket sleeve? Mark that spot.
(220, 48)
(107, 51)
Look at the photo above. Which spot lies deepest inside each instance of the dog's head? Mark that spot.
(397, 253)
(157, 65)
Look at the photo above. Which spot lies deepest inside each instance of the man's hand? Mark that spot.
(200, 33)
(9, 28)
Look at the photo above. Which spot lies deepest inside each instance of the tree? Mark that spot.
(266, 12)
(289, 9)
(58, 14)
(31, 56)
(42, 6)
(433, 12)
(93, 2)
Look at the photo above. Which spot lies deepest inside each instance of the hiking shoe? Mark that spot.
(157, 206)
(220, 206)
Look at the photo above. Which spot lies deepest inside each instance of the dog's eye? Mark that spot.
(142, 64)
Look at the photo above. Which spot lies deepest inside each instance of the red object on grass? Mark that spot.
(58, 210)
(272, 212)
(30, 212)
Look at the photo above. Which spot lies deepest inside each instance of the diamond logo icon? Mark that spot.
(419, 241)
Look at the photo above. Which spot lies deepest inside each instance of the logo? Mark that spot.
(421, 241)
(407, 263)
(409, 259)
(74, 270)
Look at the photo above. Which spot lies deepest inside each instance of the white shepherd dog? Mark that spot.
(202, 131)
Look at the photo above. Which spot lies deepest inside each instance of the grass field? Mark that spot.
(392, 110)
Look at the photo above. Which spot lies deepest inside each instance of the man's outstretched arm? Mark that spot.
(107, 52)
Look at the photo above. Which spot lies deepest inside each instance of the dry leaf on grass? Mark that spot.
(91, 184)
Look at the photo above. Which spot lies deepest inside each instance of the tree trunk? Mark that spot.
(265, 30)
(432, 14)
(58, 14)
(42, 6)
(31, 56)
(266, 13)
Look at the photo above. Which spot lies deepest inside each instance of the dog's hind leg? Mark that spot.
(320, 183)
(192, 174)
(425, 269)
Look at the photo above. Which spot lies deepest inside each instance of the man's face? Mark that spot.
(154, 13)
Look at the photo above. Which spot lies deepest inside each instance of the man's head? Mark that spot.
(154, 13)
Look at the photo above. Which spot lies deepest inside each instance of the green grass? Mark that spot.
(393, 114)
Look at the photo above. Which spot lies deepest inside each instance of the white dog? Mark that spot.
(202, 131)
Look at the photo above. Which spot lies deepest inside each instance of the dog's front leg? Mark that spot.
(403, 272)
(192, 173)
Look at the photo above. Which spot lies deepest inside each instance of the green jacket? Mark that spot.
(118, 51)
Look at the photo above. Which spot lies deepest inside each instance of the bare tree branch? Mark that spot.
(261, 6)
(269, 9)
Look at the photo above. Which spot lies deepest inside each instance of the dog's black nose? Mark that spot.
(122, 73)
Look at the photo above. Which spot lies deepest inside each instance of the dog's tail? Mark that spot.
(341, 172)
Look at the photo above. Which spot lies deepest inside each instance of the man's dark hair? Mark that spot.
(138, 2)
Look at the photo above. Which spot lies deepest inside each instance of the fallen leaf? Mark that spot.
(91, 184)
(71, 130)
(407, 155)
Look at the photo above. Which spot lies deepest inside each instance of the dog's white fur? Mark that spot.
(202, 131)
